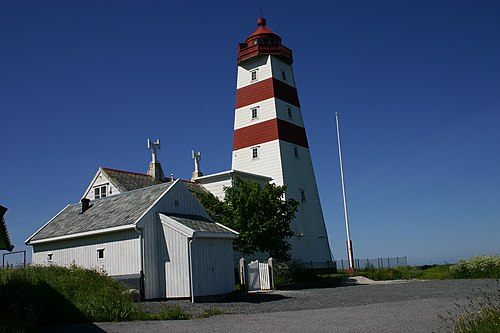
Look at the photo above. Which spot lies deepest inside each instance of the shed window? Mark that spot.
(100, 254)
(49, 257)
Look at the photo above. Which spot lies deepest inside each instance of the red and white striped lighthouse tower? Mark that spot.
(270, 138)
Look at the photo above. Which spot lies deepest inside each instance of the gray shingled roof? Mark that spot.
(113, 211)
(197, 223)
(128, 181)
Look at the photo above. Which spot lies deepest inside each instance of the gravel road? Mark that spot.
(409, 306)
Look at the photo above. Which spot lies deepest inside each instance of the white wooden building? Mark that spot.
(159, 232)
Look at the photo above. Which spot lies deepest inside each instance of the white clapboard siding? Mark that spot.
(121, 252)
(177, 277)
(278, 65)
(263, 67)
(213, 268)
(267, 163)
(177, 200)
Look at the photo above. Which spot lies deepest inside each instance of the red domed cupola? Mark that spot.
(263, 41)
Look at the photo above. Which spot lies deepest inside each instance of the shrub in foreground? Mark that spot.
(477, 268)
(293, 271)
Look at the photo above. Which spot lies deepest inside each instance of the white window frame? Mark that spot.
(98, 191)
(254, 75)
(255, 153)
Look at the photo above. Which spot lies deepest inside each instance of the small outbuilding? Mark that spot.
(158, 239)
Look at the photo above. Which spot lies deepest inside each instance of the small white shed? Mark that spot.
(158, 239)
(201, 248)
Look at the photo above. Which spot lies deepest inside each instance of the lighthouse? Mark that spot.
(270, 137)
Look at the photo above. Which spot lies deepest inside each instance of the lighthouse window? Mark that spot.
(255, 152)
(296, 152)
(302, 195)
(254, 75)
(290, 113)
(254, 113)
(283, 75)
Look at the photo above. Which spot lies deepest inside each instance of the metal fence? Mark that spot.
(378, 263)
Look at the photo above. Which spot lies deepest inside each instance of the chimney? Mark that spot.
(196, 158)
(154, 169)
(85, 205)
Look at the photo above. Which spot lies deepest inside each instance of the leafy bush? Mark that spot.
(477, 267)
(293, 271)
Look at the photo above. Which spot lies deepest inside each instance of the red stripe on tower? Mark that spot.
(266, 89)
(274, 129)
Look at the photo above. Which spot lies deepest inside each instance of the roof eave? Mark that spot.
(81, 234)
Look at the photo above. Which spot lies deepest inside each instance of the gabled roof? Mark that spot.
(114, 212)
(128, 181)
(5, 243)
(198, 226)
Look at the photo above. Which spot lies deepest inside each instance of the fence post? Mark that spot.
(243, 268)
(342, 263)
(388, 263)
(270, 262)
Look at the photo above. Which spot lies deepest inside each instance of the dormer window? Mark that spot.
(100, 191)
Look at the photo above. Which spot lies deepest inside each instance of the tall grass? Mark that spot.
(37, 295)
(48, 295)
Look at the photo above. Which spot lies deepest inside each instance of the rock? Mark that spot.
(133, 294)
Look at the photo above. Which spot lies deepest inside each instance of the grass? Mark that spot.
(49, 295)
(435, 272)
(479, 315)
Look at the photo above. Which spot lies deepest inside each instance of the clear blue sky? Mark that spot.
(83, 84)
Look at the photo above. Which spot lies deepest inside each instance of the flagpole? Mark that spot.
(350, 257)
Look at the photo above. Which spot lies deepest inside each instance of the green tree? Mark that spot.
(258, 213)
